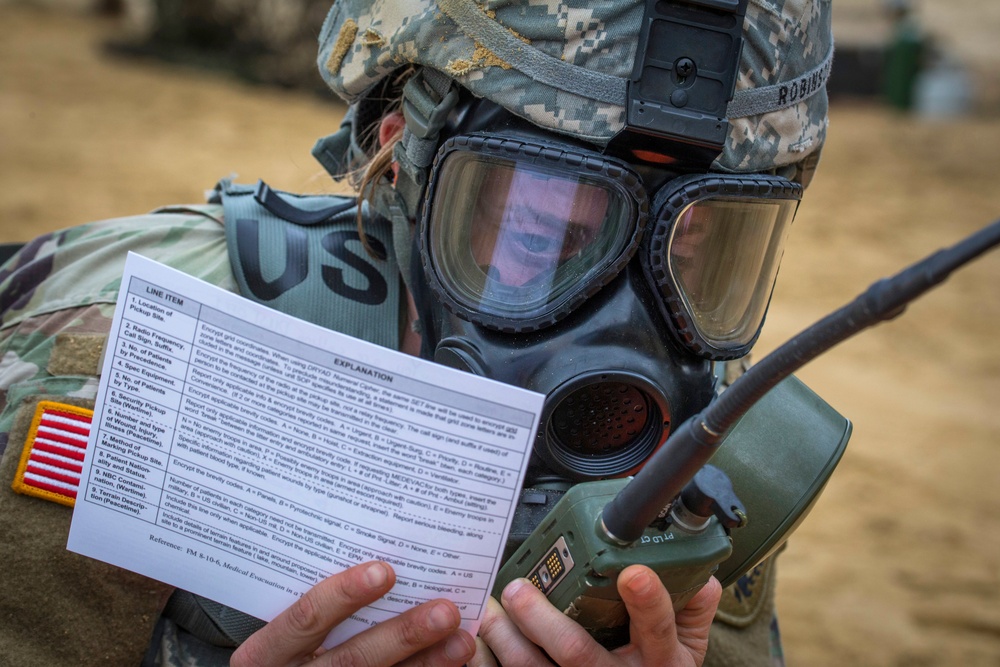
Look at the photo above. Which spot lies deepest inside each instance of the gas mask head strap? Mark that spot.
(428, 98)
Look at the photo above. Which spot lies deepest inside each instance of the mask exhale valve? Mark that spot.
(604, 424)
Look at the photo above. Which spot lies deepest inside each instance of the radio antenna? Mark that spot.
(691, 445)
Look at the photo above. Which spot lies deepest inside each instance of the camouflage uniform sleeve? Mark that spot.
(57, 297)
(745, 632)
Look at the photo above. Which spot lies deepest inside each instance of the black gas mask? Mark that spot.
(560, 270)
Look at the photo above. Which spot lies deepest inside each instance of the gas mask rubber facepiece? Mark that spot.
(557, 269)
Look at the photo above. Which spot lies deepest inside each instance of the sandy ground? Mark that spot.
(899, 564)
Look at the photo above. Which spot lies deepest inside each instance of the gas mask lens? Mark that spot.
(518, 234)
(724, 257)
(715, 252)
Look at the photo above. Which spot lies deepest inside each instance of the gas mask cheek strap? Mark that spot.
(422, 300)
(428, 98)
(388, 203)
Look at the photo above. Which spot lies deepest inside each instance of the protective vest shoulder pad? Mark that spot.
(303, 255)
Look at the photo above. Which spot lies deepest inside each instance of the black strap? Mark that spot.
(277, 205)
(210, 621)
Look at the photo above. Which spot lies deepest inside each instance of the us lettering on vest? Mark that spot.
(297, 263)
(304, 255)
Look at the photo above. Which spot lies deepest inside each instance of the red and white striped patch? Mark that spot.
(52, 459)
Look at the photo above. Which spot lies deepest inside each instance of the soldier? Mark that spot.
(510, 252)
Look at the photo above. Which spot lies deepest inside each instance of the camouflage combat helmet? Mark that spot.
(563, 65)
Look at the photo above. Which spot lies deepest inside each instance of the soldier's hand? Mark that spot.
(425, 635)
(527, 624)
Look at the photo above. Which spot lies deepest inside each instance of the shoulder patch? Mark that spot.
(52, 459)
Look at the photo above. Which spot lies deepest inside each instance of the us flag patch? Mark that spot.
(52, 459)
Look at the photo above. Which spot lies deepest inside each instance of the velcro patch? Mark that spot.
(52, 459)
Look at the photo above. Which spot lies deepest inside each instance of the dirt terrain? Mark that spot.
(899, 563)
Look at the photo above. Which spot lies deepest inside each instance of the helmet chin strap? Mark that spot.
(428, 98)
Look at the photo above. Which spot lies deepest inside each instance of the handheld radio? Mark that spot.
(682, 517)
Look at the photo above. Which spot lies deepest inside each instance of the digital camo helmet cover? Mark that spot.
(564, 64)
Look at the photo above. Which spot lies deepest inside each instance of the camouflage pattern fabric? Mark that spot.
(172, 646)
(57, 298)
(745, 632)
(562, 64)
(58, 293)
(788, 47)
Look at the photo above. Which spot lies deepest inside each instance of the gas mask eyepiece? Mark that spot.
(518, 234)
(713, 253)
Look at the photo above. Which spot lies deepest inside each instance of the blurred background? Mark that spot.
(115, 107)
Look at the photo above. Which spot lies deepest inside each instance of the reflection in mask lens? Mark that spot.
(512, 239)
(724, 256)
